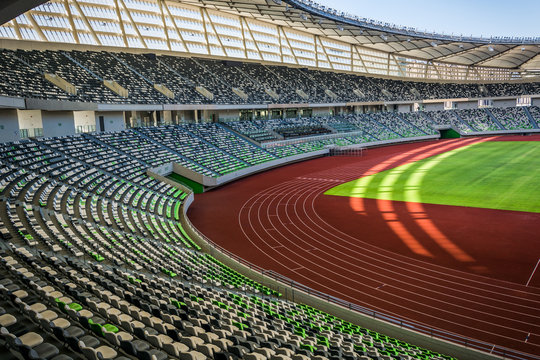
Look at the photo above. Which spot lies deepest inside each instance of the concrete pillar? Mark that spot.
(85, 121)
(167, 117)
(30, 123)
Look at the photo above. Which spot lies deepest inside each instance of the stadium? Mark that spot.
(264, 180)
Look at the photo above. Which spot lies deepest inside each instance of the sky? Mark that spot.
(460, 17)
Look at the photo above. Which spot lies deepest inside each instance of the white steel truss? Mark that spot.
(195, 29)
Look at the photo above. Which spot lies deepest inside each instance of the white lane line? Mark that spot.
(292, 201)
(532, 274)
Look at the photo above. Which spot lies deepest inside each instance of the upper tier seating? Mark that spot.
(158, 72)
(106, 66)
(19, 79)
(89, 88)
(22, 75)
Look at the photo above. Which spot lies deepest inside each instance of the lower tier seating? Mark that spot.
(96, 266)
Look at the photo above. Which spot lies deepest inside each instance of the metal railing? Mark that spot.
(408, 324)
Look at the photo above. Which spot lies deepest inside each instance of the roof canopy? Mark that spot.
(290, 32)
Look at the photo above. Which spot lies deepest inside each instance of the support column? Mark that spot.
(167, 117)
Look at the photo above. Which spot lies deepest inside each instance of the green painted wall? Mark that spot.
(195, 186)
(449, 134)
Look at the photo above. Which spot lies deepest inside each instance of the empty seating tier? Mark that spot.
(96, 264)
(23, 76)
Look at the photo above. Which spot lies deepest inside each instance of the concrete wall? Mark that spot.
(433, 106)
(84, 118)
(504, 103)
(187, 173)
(113, 120)
(323, 111)
(29, 119)
(184, 115)
(12, 103)
(9, 125)
(57, 123)
(166, 117)
(466, 105)
(228, 114)
(404, 107)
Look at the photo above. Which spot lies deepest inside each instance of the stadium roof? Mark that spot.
(10, 9)
(293, 32)
(506, 52)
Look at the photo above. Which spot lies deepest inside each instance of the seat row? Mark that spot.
(23, 75)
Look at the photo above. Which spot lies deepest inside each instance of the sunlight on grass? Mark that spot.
(497, 175)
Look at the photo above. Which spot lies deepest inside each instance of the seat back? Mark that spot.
(111, 337)
(128, 347)
(88, 352)
(96, 328)
(59, 333)
(145, 355)
(154, 340)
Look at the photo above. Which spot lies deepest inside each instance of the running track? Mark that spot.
(459, 269)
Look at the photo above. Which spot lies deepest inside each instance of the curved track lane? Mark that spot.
(392, 257)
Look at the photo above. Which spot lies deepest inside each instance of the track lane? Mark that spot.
(292, 238)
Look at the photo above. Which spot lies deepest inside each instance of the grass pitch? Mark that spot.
(501, 175)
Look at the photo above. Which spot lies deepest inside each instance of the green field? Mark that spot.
(497, 175)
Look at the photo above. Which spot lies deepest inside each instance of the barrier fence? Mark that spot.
(434, 332)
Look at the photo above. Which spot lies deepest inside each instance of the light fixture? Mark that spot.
(490, 48)
(384, 37)
(434, 44)
(340, 28)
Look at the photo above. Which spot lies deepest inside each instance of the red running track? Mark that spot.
(459, 269)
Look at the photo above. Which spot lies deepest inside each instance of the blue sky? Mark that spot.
(476, 17)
